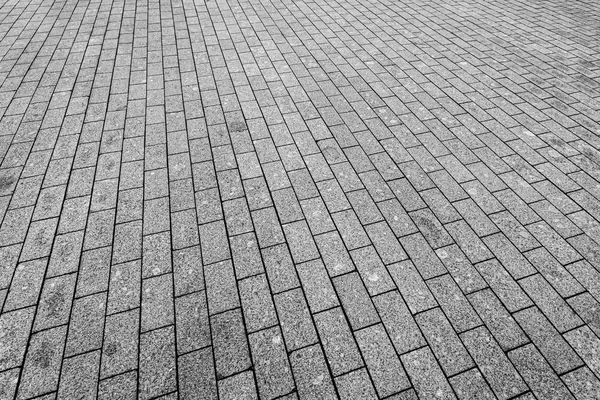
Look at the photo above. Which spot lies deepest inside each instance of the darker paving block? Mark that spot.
(196, 375)
(334, 253)
(340, 348)
(296, 323)
(588, 308)
(423, 256)
(99, 231)
(191, 314)
(271, 365)
(454, 303)
(74, 214)
(470, 385)
(538, 374)
(355, 385)
(157, 363)
(79, 377)
(257, 304)
(374, 273)
(351, 230)
(412, 286)
(555, 244)
(426, 376)
(221, 287)
(311, 374)
(550, 302)
(355, 301)
(503, 285)
(496, 368)
(301, 243)
(55, 302)
(382, 362)
(229, 343)
(42, 364)
(497, 319)
(86, 327)
(188, 270)
(444, 342)
(280, 269)
(120, 348)
(317, 285)
(431, 228)
(8, 383)
(400, 325)
(26, 284)
(157, 302)
(16, 328)
(560, 279)
(38, 242)
(214, 244)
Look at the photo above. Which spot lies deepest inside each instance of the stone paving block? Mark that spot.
(427, 377)
(547, 339)
(240, 386)
(454, 303)
(538, 374)
(42, 364)
(8, 383)
(311, 374)
(301, 243)
(333, 196)
(191, 314)
(257, 305)
(444, 342)
(157, 302)
(582, 383)
(26, 285)
(317, 286)
(79, 376)
(230, 344)
(268, 228)
(196, 376)
(381, 360)
(397, 218)
(504, 380)
(374, 273)
(422, 255)
(412, 287)
(15, 327)
(587, 345)
(157, 363)
(402, 328)
(503, 285)
(550, 302)
(214, 244)
(334, 253)
(471, 385)
(271, 364)
(340, 347)
(588, 310)
(221, 287)
(355, 385)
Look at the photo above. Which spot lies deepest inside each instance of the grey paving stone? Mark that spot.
(402, 328)
(15, 327)
(471, 385)
(191, 314)
(79, 376)
(415, 292)
(230, 344)
(444, 342)
(373, 272)
(317, 286)
(271, 365)
(355, 301)
(157, 302)
(588, 309)
(582, 383)
(196, 375)
(240, 386)
(257, 304)
(188, 270)
(42, 364)
(26, 284)
(454, 303)
(381, 360)
(86, 327)
(340, 347)
(8, 383)
(503, 285)
(538, 374)
(55, 302)
(156, 255)
(495, 366)
(157, 363)
(587, 345)
(311, 374)
(120, 346)
(268, 229)
(427, 377)
(350, 229)
(422, 256)
(295, 320)
(221, 287)
(511, 258)
(301, 243)
(355, 385)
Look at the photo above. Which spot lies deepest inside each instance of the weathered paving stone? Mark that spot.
(582, 383)
(340, 347)
(402, 328)
(121, 340)
(355, 385)
(311, 374)
(295, 320)
(79, 377)
(196, 375)
(427, 377)
(157, 363)
(230, 343)
(15, 327)
(471, 385)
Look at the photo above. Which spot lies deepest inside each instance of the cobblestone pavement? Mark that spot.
(299, 199)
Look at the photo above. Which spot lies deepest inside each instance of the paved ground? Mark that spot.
(313, 199)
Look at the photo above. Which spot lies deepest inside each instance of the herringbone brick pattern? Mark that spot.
(309, 199)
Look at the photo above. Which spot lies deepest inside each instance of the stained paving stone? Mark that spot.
(408, 175)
